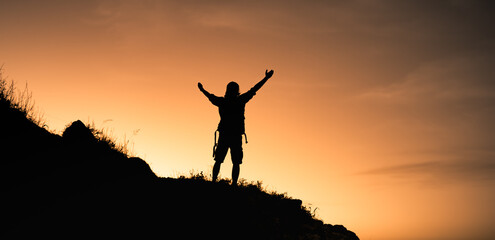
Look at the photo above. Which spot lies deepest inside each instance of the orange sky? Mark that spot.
(380, 113)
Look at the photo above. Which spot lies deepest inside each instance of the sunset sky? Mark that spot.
(380, 113)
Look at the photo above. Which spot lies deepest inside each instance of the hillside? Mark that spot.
(77, 185)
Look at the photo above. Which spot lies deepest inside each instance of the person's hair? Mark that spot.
(232, 90)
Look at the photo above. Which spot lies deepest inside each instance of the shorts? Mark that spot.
(232, 141)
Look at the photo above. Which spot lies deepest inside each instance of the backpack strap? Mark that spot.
(215, 143)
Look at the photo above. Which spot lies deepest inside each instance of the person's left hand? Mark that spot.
(268, 74)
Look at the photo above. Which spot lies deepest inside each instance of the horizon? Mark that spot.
(379, 113)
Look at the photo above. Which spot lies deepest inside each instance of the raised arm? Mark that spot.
(202, 89)
(268, 75)
(213, 99)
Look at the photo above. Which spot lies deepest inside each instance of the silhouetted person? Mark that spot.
(231, 127)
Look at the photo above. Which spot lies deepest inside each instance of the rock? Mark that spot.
(78, 133)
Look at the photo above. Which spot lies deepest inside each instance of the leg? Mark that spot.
(216, 170)
(220, 153)
(235, 173)
(236, 155)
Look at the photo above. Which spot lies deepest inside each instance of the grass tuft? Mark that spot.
(21, 101)
(106, 136)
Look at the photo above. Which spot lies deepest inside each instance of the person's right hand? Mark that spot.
(200, 86)
(268, 74)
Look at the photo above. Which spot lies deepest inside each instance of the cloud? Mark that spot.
(467, 169)
(450, 105)
(445, 80)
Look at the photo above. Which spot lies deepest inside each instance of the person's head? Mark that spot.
(232, 90)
